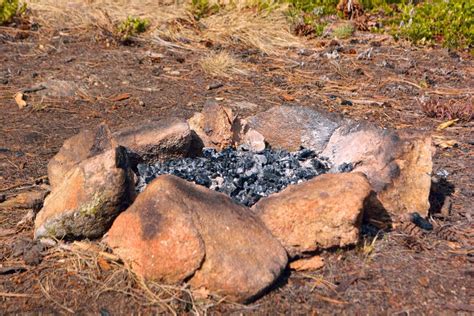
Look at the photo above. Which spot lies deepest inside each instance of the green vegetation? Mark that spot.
(315, 7)
(132, 26)
(450, 23)
(343, 31)
(9, 9)
(203, 8)
(447, 22)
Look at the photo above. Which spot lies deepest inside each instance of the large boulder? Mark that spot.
(157, 140)
(89, 198)
(397, 164)
(86, 144)
(321, 213)
(177, 231)
(292, 127)
(216, 126)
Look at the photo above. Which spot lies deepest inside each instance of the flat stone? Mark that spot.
(292, 127)
(307, 264)
(58, 88)
(321, 213)
(26, 200)
(177, 230)
(397, 164)
(89, 198)
(158, 140)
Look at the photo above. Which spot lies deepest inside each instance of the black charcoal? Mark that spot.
(243, 175)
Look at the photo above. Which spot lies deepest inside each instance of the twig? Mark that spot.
(330, 300)
(8, 294)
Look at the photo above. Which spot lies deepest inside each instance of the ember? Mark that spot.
(243, 175)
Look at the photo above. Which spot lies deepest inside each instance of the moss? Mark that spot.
(93, 207)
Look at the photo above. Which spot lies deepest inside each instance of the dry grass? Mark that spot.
(103, 272)
(269, 33)
(236, 24)
(104, 14)
(222, 64)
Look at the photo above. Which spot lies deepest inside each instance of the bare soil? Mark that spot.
(394, 274)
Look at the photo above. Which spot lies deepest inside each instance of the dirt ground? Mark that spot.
(395, 273)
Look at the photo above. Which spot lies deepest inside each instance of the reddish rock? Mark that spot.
(292, 127)
(177, 230)
(26, 200)
(86, 144)
(157, 140)
(307, 264)
(321, 213)
(150, 142)
(398, 166)
(91, 195)
(216, 126)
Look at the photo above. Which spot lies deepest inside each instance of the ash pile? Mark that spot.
(243, 175)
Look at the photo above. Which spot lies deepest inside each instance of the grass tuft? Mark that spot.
(343, 31)
(222, 65)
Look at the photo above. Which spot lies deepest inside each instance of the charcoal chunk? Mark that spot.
(243, 175)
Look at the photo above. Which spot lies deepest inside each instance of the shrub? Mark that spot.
(9, 9)
(132, 26)
(203, 8)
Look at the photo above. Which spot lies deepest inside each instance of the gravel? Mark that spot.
(243, 175)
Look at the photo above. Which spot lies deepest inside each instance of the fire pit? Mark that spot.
(245, 176)
(222, 202)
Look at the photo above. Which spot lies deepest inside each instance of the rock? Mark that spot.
(158, 140)
(29, 249)
(177, 231)
(253, 141)
(91, 195)
(58, 88)
(88, 143)
(292, 127)
(243, 105)
(398, 165)
(149, 142)
(409, 191)
(313, 263)
(216, 125)
(321, 213)
(26, 200)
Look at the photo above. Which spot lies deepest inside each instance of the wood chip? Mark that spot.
(103, 264)
(120, 97)
(19, 99)
(446, 124)
(287, 97)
